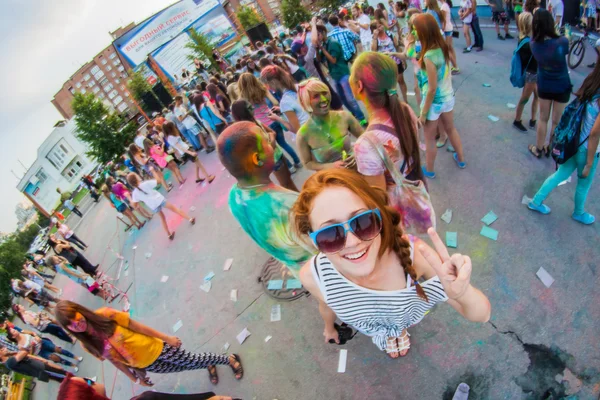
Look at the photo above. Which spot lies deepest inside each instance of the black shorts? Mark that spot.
(401, 68)
(558, 97)
(500, 17)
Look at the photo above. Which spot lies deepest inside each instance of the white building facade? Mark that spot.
(61, 162)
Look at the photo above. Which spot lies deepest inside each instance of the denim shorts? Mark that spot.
(159, 208)
(530, 77)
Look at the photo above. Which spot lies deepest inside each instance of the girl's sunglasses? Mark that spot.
(365, 226)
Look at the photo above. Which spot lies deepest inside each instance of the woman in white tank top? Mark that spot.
(368, 273)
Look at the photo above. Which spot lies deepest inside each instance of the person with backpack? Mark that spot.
(579, 130)
(553, 82)
(524, 73)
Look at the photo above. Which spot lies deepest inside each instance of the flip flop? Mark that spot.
(239, 370)
(212, 374)
(533, 150)
(441, 144)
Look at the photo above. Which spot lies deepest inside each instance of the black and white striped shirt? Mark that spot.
(376, 313)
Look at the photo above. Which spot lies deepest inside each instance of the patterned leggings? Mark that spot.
(176, 359)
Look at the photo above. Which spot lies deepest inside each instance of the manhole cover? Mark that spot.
(275, 270)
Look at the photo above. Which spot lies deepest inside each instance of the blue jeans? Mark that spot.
(57, 331)
(343, 88)
(48, 348)
(477, 32)
(280, 139)
(190, 137)
(565, 170)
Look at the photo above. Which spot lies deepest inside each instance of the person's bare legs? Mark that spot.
(200, 167)
(452, 54)
(506, 28)
(160, 178)
(447, 121)
(163, 219)
(203, 141)
(467, 33)
(51, 287)
(525, 95)
(132, 218)
(430, 130)
(284, 177)
(403, 87)
(534, 103)
(542, 124)
(139, 208)
(557, 111)
(173, 167)
(178, 211)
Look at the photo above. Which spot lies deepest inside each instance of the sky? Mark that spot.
(43, 44)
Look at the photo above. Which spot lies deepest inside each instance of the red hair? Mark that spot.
(76, 390)
(430, 36)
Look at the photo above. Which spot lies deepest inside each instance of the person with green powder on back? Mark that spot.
(324, 141)
(261, 207)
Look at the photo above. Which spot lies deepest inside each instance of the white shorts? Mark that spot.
(438, 109)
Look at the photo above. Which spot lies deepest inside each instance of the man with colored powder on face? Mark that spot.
(331, 51)
(261, 207)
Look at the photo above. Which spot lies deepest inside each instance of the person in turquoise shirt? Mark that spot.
(261, 207)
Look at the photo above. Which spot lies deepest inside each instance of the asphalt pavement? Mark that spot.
(540, 343)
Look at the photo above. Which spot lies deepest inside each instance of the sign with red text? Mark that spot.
(142, 40)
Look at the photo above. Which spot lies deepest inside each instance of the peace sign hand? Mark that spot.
(454, 271)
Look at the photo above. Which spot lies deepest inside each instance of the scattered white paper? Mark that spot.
(223, 169)
(243, 335)
(227, 265)
(177, 326)
(164, 278)
(410, 93)
(134, 247)
(568, 180)
(268, 338)
(342, 361)
(148, 255)
(192, 208)
(206, 286)
(526, 200)
(511, 105)
(276, 313)
(226, 347)
(493, 118)
(126, 273)
(233, 295)
(447, 216)
(545, 277)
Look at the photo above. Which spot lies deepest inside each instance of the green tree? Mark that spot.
(294, 13)
(201, 48)
(138, 86)
(42, 220)
(331, 5)
(248, 17)
(105, 132)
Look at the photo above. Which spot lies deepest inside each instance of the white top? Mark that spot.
(32, 285)
(64, 231)
(365, 34)
(139, 141)
(448, 22)
(558, 9)
(466, 5)
(289, 102)
(177, 144)
(148, 195)
(293, 67)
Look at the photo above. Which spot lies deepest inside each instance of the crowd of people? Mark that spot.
(350, 233)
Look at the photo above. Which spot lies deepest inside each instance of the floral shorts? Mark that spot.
(500, 17)
(530, 77)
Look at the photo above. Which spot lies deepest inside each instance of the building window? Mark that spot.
(72, 90)
(86, 77)
(116, 63)
(112, 56)
(103, 61)
(112, 94)
(117, 81)
(108, 67)
(78, 85)
(82, 90)
(117, 100)
(95, 70)
(102, 96)
(126, 94)
(98, 75)
(73, 169)
(96, 90)
(59, 154)
(41, 176)
(113, 74)
(121, 68)
(103, 82)
(108, 87)
(92, 83)
(122, 107)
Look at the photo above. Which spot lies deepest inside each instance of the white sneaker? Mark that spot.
(76, 369)
(293, 169)
(79, 359)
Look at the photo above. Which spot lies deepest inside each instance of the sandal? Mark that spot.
(211, 178)
(212, 374)
(404, 344)
(172, 235)
(441, 144)
(239, 370)
(199, 180)
(392, 347)
(193, 221)
(547, 151)
(534, 150)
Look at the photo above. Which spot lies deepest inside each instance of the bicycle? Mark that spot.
(577, 48)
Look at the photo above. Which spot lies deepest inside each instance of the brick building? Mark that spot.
(270, 10)
(105, 76)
